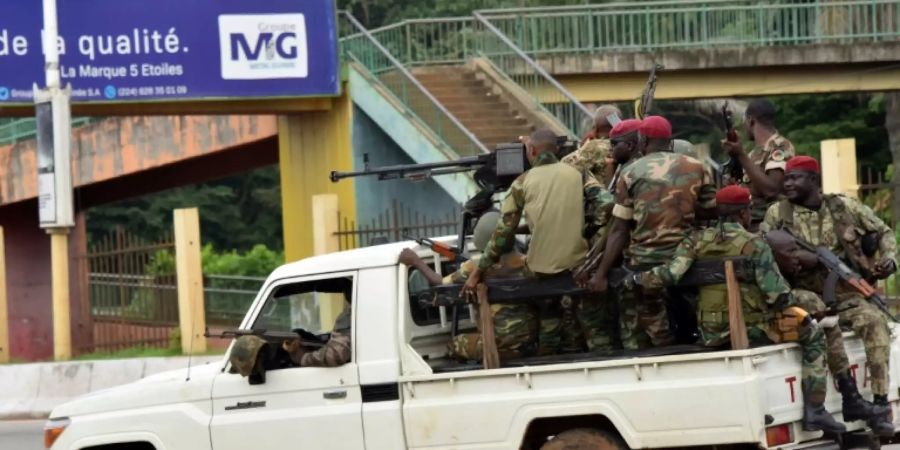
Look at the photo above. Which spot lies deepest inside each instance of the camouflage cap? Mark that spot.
(244, 353)
(485, 227)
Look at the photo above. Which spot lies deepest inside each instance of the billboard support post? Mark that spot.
(55, 208)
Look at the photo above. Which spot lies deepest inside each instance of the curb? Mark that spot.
(35, 389)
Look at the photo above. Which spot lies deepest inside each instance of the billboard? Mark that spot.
(162, 50)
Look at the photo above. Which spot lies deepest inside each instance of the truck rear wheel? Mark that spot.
(585, 439)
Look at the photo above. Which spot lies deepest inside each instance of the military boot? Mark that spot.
(854, 406)
(881, 424)
(817, 418)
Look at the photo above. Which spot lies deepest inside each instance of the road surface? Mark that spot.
(22, 435)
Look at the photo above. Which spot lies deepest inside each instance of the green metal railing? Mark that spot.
(649, 26)
(387, 71)
(451, 41)
(517, 66)
(15, 130)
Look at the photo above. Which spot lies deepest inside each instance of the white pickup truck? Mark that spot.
(401, 392)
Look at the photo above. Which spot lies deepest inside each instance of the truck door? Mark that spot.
(296, 407)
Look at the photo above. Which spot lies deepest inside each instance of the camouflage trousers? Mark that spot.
(868, 323)
(811, 339)
(643, 318)
(515, 329)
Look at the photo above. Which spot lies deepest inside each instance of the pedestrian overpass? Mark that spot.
(430, 90)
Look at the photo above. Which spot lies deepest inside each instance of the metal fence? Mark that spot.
(393, 225)
(133, 291)
(228, 297)
(649, 26)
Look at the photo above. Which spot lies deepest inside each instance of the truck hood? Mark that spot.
(163, 388)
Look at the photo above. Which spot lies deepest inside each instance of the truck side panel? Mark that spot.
(662, 404)
(377, 351)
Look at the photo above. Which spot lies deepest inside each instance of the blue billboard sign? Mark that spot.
(128, 50)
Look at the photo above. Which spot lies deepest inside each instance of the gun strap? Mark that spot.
(786, 211)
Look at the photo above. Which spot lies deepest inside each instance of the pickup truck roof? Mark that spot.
(361, 258)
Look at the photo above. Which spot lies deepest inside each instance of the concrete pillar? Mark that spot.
(59, 268)
(310, 146)
(189, 269)
(839, 171)
(325, 224)
(4, 316)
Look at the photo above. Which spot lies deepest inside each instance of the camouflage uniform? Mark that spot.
(823, 227)
(515, 325)
(336, 351)
(773, 155)
(546, 195)
(760, 300)
(591, 156)
(659, 192)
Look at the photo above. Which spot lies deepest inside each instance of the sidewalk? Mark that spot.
(35, 389)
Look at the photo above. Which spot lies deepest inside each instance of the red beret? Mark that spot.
(807, 163)
(733, 195)
(656, 127)
(624, 127)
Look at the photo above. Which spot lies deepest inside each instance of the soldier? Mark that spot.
(335, 352)
(593, 155)
(656, 195)
(769, 307)
(547, 195)
(515, 325)
(854, 406)
(764, 165)
(844, 226)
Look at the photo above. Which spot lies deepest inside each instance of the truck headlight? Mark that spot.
(53, 429)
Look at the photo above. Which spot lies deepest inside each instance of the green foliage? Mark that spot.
(257, 262)
(235, 213)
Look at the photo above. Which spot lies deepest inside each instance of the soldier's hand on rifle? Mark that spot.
(598, 283)
(733, 148)
(885, 268)
(294, 349)
(468, 289)
(808, 259)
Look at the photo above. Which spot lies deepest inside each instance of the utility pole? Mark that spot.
(55, 209)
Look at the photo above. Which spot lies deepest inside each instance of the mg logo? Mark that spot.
(263, 46)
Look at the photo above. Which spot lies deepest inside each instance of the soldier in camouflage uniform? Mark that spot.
(656, 195)
(840, 224)
(515, 325)
(335, 352)
(764, 165)
(594, 154)
(854, 406)
(769, 307)
(548, 196)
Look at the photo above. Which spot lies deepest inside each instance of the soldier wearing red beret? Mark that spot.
(841, 224)
(770, 293)
(656, 196)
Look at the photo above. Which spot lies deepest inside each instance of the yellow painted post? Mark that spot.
(189, 270)
(310, 146)
(839, 167)
(325, 225)
(4, 316)
(59, 270)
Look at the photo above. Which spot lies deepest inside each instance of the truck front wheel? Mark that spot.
(585, 439)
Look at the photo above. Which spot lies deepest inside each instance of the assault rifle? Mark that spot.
(643, 104)
(838, 270)
(494, 172)
(733, 166)
(452, 254)
(306, 338)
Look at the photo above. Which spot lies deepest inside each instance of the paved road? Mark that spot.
(28, 435)
(22, 435)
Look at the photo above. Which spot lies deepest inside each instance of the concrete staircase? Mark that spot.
(473, 101)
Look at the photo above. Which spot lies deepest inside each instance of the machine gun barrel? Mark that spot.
(413, 170)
